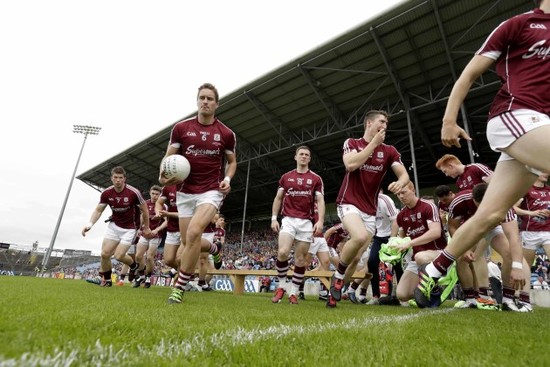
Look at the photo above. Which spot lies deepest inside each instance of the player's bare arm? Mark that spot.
(318, 227)
(230, 169)
(276, 208)
(450, 131)
(96, 214)
(402, 178)
(354, 160)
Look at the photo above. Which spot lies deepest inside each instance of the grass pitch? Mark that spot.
(55, 322)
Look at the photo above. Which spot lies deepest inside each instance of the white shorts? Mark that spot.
(124, 236)
(503, 130)
(149, 241)
(364, 257)
(319, 245)
(173, 239)
(492, 233)
(131, 250)
(412, 266)
(209, 237)
(300, 229)
(533, 240)
(368, 220)
(187, 203)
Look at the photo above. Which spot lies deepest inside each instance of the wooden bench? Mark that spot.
(238, 276)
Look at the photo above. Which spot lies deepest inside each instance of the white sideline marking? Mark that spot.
(106, 355)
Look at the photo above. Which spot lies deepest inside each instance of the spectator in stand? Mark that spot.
(126, 202)
(540, 284)
(265, 283)
(299, 190)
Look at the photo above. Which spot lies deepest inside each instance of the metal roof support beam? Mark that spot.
(401, 91)
(333, 111)
(452, 68)
(270, 118)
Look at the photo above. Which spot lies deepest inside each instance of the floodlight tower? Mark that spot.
(77, 129)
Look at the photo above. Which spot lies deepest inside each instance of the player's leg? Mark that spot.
(509, 182)
(285, 241)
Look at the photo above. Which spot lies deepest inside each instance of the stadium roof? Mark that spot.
(404, 61)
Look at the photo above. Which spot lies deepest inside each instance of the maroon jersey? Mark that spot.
(154, 222)
(299, 191)
(462, 206)
(211, 228)
(169, 194)
(219, 233)
(537, 198)
(337, 236)
(205, 148)
(473, 174)
(124, 205)
(520, 46)
(360, 187)
(414, 223)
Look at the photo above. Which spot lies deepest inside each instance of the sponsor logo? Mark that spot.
(537, 50)
(195, 152)
(292, 192)
(413, 233)
(191, 133)
(372, 168)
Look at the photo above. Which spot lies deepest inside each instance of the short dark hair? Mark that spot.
(442, 190)
(156, 188)
(370, 115)
(478, 192)
(212, 88)
(118, 170)
(302, 147)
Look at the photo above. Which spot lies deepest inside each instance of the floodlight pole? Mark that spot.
(77, 129)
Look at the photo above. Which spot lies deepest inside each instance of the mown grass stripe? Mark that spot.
(99, 354)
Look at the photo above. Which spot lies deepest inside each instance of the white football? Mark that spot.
(177, 166)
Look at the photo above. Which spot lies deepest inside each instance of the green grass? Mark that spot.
(53, 322)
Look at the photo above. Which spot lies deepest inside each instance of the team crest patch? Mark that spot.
(380, 155)
(217, 137)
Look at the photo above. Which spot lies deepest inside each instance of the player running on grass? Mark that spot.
(518, 128)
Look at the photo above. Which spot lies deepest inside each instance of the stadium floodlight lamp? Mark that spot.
(77, 129)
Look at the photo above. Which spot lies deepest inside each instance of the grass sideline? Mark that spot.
(56, 322)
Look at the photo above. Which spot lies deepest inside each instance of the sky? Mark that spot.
(131, 67)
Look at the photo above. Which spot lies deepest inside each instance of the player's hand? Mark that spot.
(517, 277)
(275, 226)
(469, 256)
(379, 137)
(395, 187)
(84, 230)
(225, 187)
(451, 134)
(146, 231)
(317, 228)
(168, 181)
